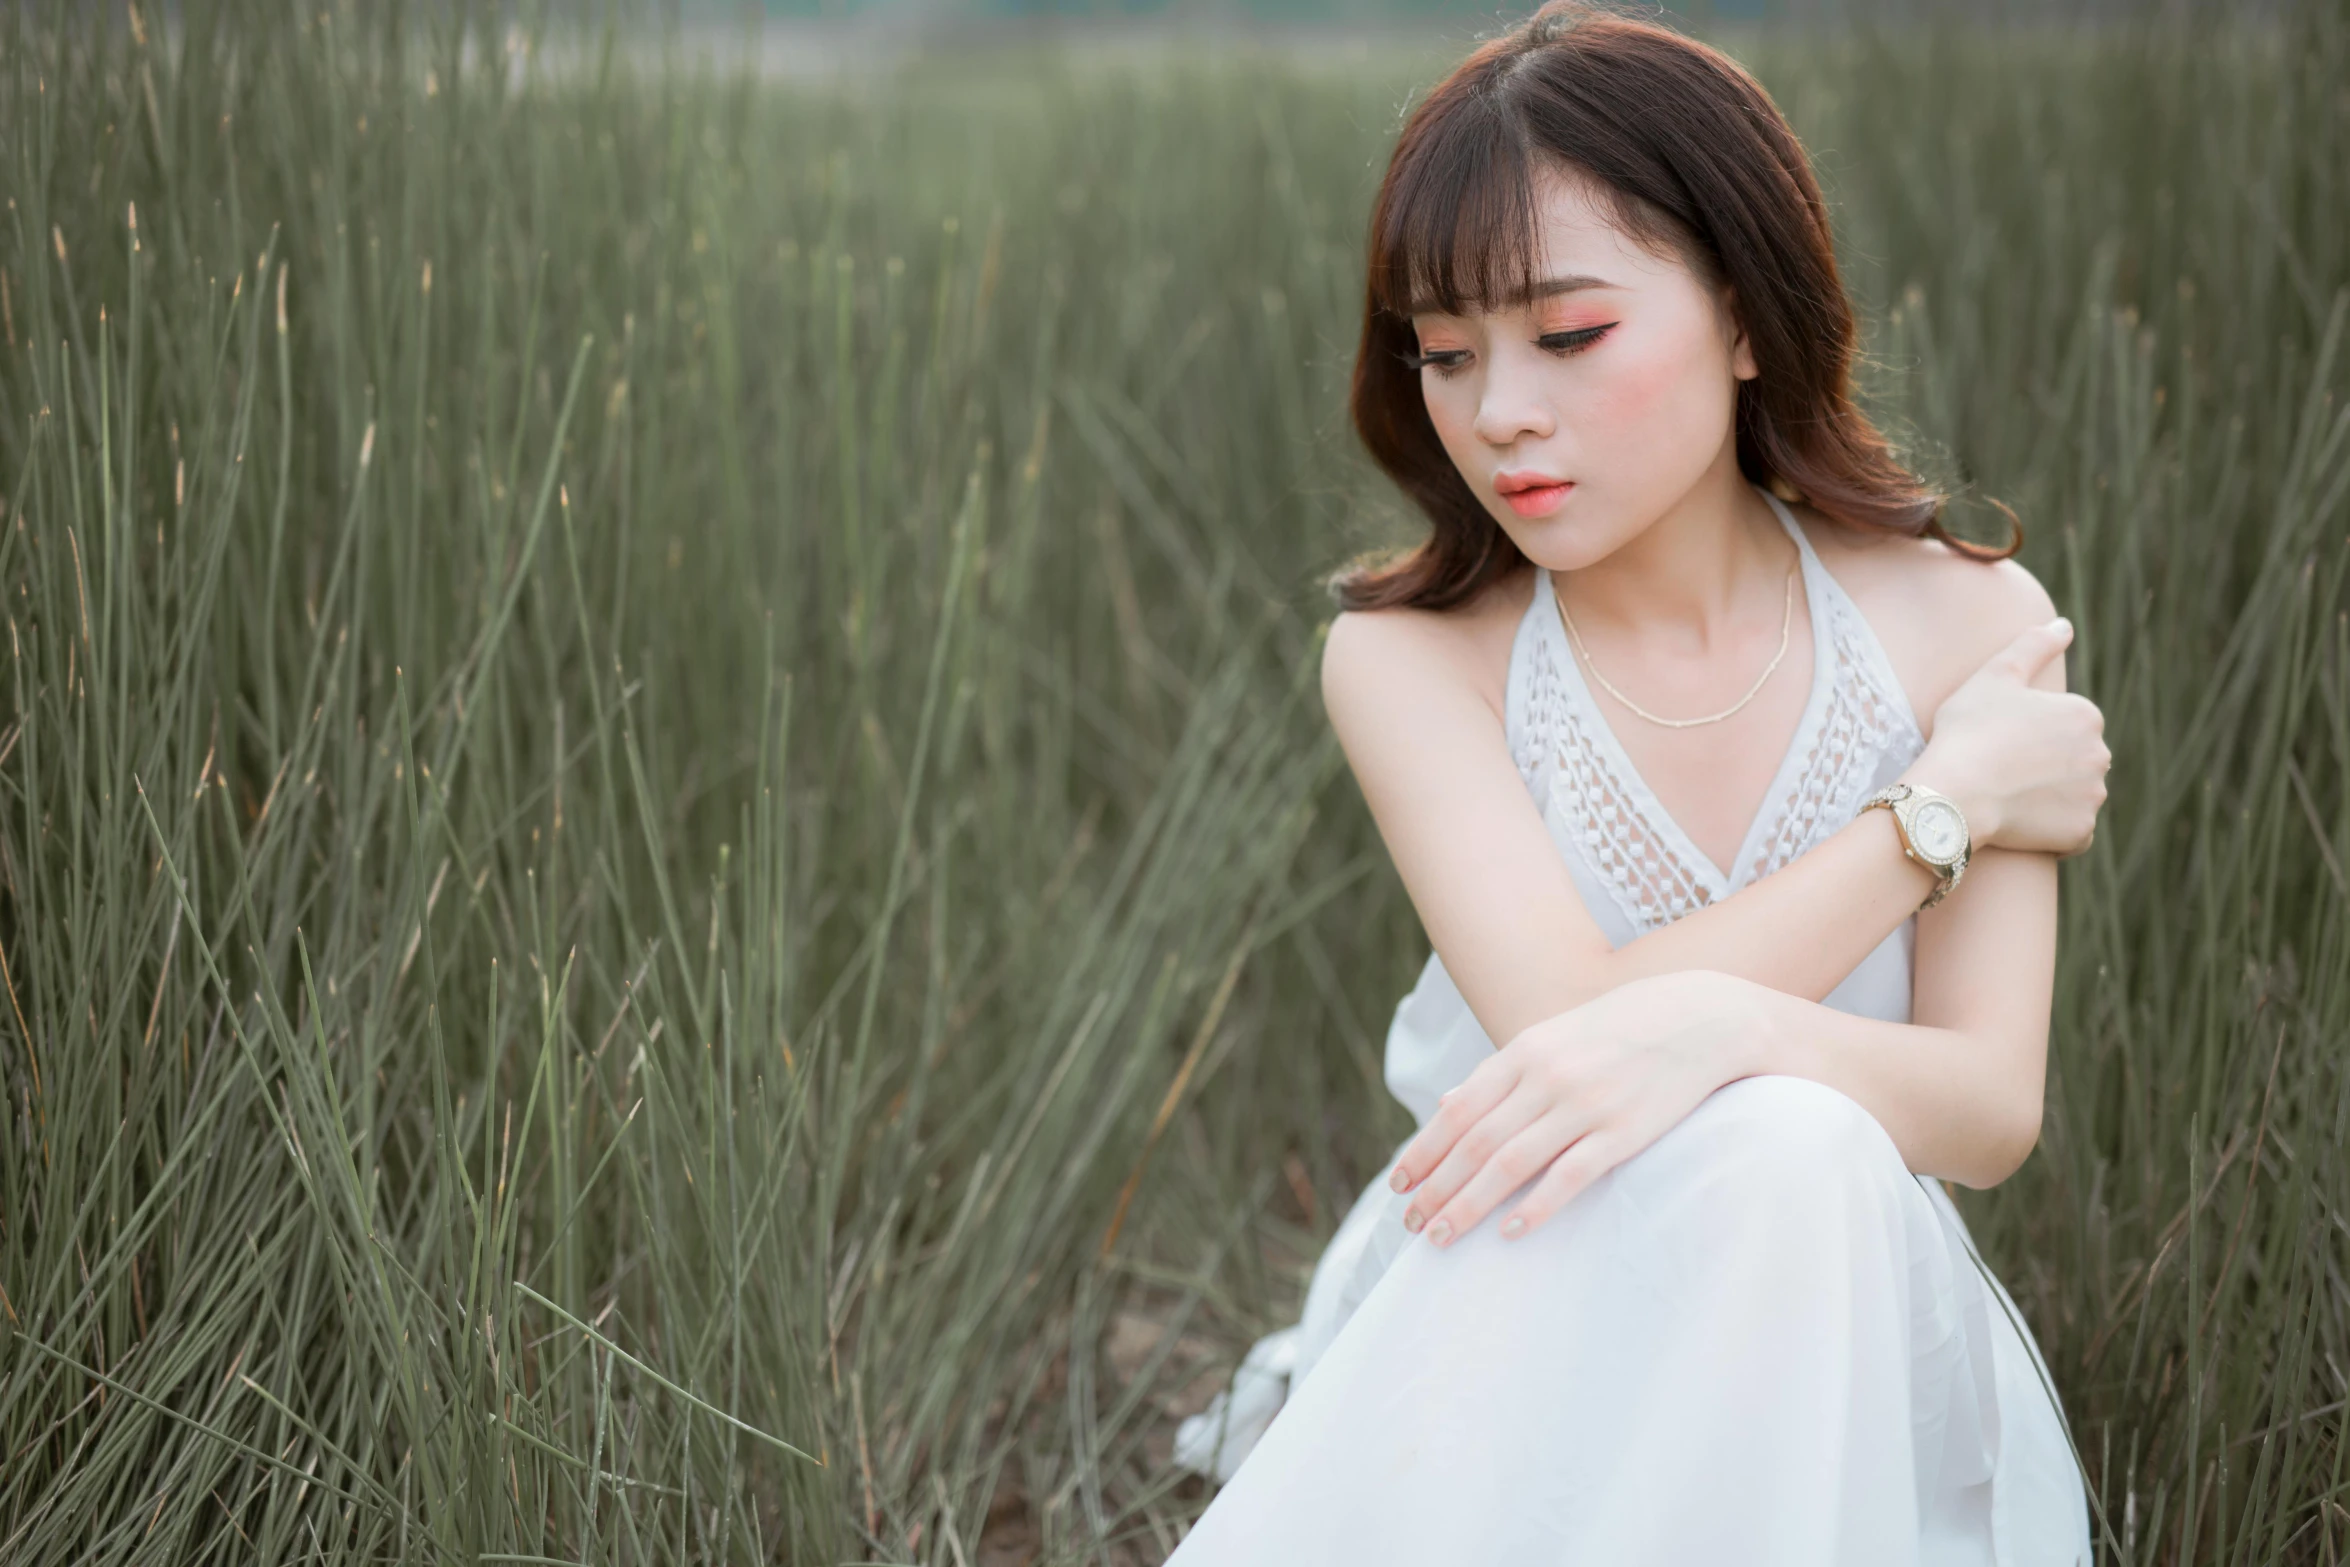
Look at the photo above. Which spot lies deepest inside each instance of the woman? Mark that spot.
(1672, 1275)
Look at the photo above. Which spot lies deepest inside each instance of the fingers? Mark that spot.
(2060, 778)
(2029, 651)
(1567, 1178)
(1472, 1155)
(2082, 839)
(1512, 1165)
(1457, 1109)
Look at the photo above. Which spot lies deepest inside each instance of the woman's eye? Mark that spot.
(1444, 361)
(1573, 342)
(1449, 362)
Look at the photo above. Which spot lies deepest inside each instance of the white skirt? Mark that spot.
(1760, 1340)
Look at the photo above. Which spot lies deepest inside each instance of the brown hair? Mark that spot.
(1692, 156)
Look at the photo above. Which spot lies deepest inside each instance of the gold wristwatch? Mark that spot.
(1933, 832)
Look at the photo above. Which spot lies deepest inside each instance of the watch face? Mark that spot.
(1938, 831)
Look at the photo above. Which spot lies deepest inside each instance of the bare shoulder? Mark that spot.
(1370, 657)
(1938, 613)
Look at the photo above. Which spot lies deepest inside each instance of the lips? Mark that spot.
(1531, 494)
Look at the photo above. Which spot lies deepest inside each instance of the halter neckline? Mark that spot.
(1854, 713)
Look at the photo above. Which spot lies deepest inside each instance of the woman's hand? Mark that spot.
(2026, 764)
(1577, 1093)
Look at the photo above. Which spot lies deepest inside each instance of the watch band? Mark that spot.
(1897, 799)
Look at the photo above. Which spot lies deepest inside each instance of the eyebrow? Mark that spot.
(1546, 288)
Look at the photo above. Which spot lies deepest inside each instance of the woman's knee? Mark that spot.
(1765, 1169)
(1784, 1133)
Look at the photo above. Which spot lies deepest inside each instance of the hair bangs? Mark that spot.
(1693, 158)
(1458, 234)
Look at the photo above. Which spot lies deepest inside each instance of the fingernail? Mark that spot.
(1440, 1232)
(2062, 624)
(1401, 1180)
(1412, 1220)
(1513, 1225)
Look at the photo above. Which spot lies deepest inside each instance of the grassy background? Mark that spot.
(671, 883)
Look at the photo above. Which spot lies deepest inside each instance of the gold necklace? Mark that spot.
(1786, 620)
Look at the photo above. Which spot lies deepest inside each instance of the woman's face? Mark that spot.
(1612, 394)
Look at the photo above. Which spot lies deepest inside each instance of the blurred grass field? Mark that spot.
(671, 883)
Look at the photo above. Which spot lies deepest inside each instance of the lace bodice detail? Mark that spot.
(1856, 730)
(1652, 881)
(1866, 719)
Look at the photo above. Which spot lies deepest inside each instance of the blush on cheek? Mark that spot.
(1654, 421)
(1628, 411)
(1452, 418)
(1640, 385)
(1670, 386)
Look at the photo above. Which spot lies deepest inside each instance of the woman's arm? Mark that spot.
(1494, 893)
(1958, 1088)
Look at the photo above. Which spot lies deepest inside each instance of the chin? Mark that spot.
(1562, 545)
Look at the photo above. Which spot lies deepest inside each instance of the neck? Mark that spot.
(1694, 575)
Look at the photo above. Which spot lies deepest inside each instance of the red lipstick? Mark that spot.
(1531, 493)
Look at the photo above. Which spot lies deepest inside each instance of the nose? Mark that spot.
(1511, 403)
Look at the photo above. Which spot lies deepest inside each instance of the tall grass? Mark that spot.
(670, 883)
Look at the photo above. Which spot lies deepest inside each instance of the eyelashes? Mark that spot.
(1450, 362)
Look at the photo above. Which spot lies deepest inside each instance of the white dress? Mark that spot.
(1760, 1340)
